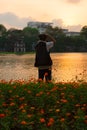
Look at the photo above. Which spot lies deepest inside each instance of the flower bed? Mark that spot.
(43, 106)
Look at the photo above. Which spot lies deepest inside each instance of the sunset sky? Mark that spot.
(70, 14)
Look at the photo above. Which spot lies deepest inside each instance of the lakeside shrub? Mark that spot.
(36, 105)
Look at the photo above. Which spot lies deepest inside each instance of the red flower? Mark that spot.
(23, 122)
(51, 121)
(42, 120)
(2, 115)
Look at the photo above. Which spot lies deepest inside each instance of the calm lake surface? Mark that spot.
(66, 67)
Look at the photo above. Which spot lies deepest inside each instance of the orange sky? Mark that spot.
(65, 13)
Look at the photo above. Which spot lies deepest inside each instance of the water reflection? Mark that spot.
(70, 66)
(66, 66)
(17, 67)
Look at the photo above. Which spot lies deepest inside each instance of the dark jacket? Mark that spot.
(42, 57)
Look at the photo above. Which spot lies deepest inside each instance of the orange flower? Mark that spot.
(64, 100)
(10, 91)
(39, 94)
(42, 120)
(62, 119)
(71, 96)
(54, 89)
(23, 110)
(76, 117)
(84, 105)
(29, 91)
(85, 121)
(29, 115)
(21, 107)
(57, 110)
(68, 114)
(50, 122)
(85, 116)
(14, 87)
(48, 93)
(62, 94)
(4, 104)
(23, 122)
(21, 98)
(83, 108)
(2, 115)
(12, 104)
(42, 111)
(32, 108)
(77, 105)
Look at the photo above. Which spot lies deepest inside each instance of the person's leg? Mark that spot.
(48, 74)
(41, 74)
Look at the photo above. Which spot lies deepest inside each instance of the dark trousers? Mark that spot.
(44, 73)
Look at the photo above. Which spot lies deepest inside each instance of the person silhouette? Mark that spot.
(43, 60)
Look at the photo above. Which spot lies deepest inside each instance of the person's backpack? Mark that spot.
(42, 55)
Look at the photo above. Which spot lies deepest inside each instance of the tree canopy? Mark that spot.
(29, 36)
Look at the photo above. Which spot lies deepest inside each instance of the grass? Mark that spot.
(34, 105)
(18, 53)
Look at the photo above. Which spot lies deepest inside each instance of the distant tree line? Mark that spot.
(64, 43)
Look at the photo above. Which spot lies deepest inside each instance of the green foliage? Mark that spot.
(30, 36)
(84, 31)
(34, 105)
(2, 29)
(30, 31)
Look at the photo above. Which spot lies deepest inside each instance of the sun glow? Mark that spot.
(71, 12)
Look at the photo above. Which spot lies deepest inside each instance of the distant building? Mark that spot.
(70, 33)
(41, 26)
(65, 30)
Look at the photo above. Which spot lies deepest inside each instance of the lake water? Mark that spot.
(66, 67)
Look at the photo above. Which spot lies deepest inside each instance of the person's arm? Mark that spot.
(50, 38)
